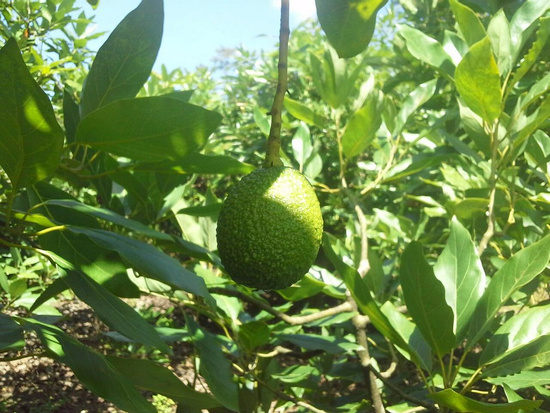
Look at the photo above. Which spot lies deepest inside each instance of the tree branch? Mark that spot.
(274, 140)
(292, 320)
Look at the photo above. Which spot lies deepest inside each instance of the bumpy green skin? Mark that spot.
(270, 228)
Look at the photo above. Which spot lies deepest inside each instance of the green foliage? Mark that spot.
(429, 153)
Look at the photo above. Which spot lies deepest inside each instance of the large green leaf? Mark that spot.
(155, 378)
(459, 270)
(11, 334)
(30, 137)
(519, 270)
(348, 24)
(148, 129)
(124, 62)
(426, 301)
(214, 366)
(527, 357)
(112, 311)
(149, 261)
(427, 49)
(470, 26)
(459, 403)
(516, 332)
(362, 127)
(91, 368)
(102, 265)
(418, 349)
(478, 81)
(499, 34)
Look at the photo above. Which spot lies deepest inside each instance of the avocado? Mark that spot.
(269, 228)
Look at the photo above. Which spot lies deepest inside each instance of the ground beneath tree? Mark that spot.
(41, 385)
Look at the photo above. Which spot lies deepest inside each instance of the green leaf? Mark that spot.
(362, 127)
(11, 334)
(478, 81)
(519, 330)
(197, 163)
(152, 377)
(214, 366)
(124, 62)
(348, 24)
(262, 121)
(305, 288)
(519, 270)
(418, 349)
(420, 95)
(302, 147)
(328, 344)
(102, 265)
(112, 311)
(427, 49)
(304, 113)
(523, 379)
(459, 403)
(426, 301)
(71, 116)
(109, 216)
(529, 356)
(460, 271)
(30, 137)
(91, 368)
(543, 33)
(470, 26)
(149, 261)
(334, 78)
(362, 296)
(499, 34)
(254, 334)
(523, 18)
(148, 129)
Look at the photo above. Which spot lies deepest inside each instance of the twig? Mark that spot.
(292, 320)
(274, 140)
(430, 407)
(364, 265)
(359, 322)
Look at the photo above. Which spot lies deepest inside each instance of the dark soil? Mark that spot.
(42, 385)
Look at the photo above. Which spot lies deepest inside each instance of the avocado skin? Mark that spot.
(270, 228)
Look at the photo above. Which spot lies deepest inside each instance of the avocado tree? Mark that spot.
(428, 151)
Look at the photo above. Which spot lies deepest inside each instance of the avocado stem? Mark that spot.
(273, 146)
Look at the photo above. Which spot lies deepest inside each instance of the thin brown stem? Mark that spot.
(292, 320)
(273, 147)
(492, 194)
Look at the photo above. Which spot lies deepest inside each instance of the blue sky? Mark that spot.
(195, 29)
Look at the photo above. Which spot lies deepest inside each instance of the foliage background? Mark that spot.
(429, 152)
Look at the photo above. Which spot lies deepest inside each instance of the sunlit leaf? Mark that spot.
(519, 270)
(459, 269)
(348, 24)
(91, 368)
(470, 26)
(148, 129)
(30, 137)
(124, 62)
(459, 403)
(478, 81)
(425, 298)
